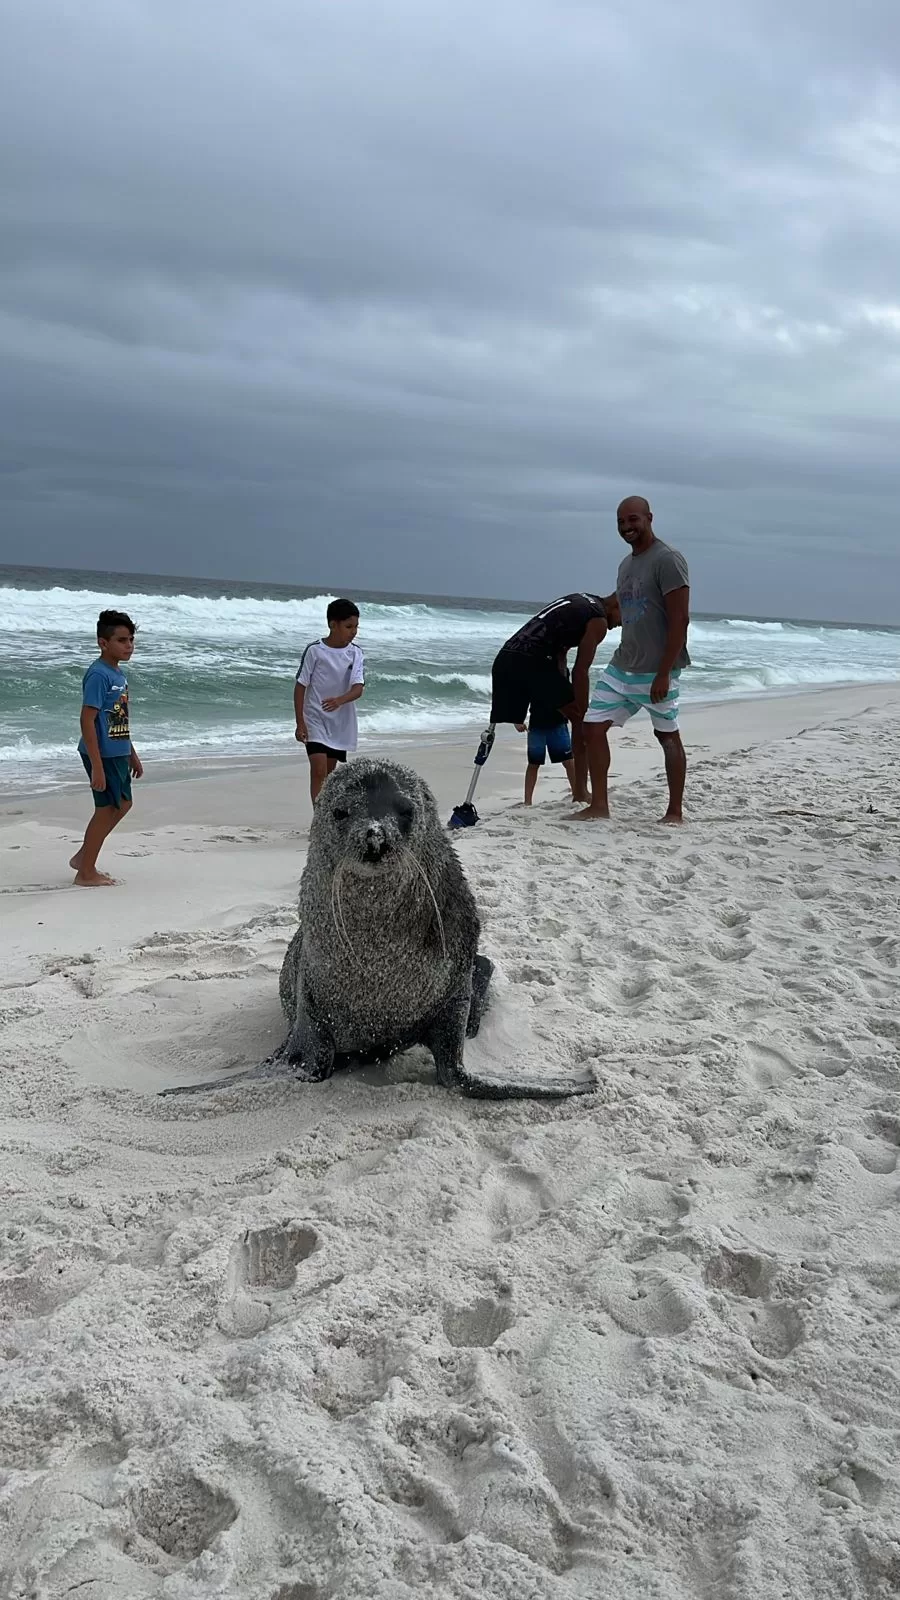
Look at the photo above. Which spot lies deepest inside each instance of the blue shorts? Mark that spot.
(118, 780)
(555, 742)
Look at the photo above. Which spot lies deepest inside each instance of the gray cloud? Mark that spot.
(408, 296)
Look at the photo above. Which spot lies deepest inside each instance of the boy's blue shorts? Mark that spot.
(118, 780)
(555, 742)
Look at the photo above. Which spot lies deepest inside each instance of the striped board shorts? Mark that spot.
(618, 696)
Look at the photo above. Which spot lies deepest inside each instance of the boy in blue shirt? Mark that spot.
(110, 759)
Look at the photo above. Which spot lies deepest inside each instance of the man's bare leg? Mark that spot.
(581, 794)
(597, 739)
(569, 768)
(98, 830)
(676, 772)
(531, 778)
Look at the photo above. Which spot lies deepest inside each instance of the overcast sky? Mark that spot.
(408, 295)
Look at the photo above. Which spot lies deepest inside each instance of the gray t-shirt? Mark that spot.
(642, 585)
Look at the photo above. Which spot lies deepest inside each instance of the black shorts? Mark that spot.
(314, 748)
(520, 682)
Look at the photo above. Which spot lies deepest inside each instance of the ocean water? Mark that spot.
(212, 673)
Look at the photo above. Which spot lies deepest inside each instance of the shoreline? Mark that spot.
(169, 769)
(232, 841)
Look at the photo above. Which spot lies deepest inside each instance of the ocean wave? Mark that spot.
(752, 626)
(74, 611)
(476, 682)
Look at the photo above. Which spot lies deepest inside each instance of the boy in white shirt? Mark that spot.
(330, 681)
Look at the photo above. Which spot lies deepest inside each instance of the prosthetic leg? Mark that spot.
(465, 815)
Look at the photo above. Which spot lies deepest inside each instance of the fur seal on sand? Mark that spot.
(386, 955)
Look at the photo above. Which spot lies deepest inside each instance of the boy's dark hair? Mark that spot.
(109, 621)
(341, 610)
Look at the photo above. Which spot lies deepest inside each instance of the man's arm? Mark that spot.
(299, 697)
(89, 715)
(677, 604)
(594, 634)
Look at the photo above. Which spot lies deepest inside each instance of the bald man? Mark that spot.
(654, 595)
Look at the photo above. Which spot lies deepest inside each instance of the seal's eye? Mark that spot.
(339, 814)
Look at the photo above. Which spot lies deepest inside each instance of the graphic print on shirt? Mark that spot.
(632, 602)
(117, 718)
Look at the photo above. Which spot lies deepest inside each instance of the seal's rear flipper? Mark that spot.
(549, 1086)
(275, 1066)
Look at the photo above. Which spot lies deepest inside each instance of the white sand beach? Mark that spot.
(367, 1340)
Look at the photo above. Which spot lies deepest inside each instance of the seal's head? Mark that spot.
(370, 815)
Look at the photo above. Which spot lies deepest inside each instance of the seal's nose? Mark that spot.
(376, 841)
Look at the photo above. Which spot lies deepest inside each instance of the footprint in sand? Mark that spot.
(738, 950)
(645, 1198)
(514, 1198)
(264, 1259)
(773, 1327)
(179, 1515)
(639, 986)
(740, 1272)
(734, 918)
(769, 1064)
(852, 1485)
(878, 1149)
(477, 1326)
(830, 1066)
(648, 1304)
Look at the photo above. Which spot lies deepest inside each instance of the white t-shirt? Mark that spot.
(326, 672)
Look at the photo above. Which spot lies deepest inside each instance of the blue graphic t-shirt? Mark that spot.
(106, 689)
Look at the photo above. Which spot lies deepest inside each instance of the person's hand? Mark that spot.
(519, 727)
(135, 765)
(300, 733)
(332, 703)
(659, 688)
(98, 779)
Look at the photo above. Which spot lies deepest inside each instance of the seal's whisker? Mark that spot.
(334, 916)
(336, 885)
(427, 882)
(337, 910)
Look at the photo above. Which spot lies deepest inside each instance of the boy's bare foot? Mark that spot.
(95, 880)
(590, 815)
(672, 819)
(581, 799)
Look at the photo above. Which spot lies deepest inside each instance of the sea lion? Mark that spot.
(386, 954)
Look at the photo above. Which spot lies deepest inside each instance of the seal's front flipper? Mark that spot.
(309, 1049)
(482, 972)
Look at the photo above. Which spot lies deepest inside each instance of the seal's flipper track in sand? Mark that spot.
(443, 1040)
(386, 955)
